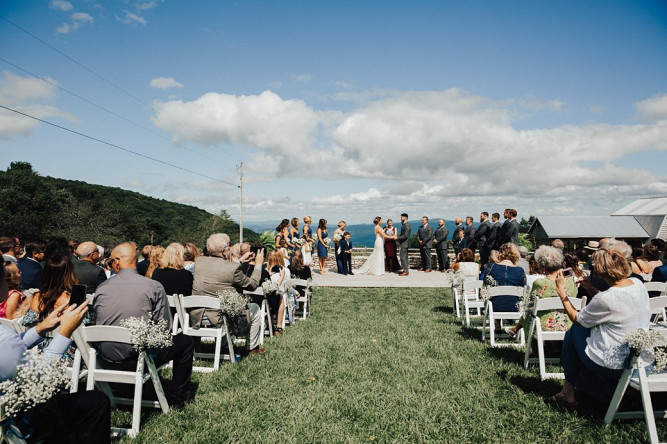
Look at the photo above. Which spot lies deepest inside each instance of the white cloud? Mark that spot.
(653, 109)
(78, 20)
(165, 83)
(425, 149)
(15, 89)
(60, 5)
(65, 28)
(301, 77)
(82, 17)
(146, 6)
(131, 18)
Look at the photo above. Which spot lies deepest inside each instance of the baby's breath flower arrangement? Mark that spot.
(147, 334)
(232, 303)
(36, 381)
(650, 342)
(269, 286)
(298, 241)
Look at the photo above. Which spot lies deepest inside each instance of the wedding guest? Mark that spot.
(322, 245)
(466, 264)
(337, 236)
(493, 233)
(130, 295)
(299, 269)
(505, 272)
(86, 269)
(534, 272)
(391, 261)
(460, 243)
(557, 243)
(276, 272)
(456, 236)
(142, 266)
(172, 275)
(345, 246)
(481, 236)
(652, 256)
(10, 249)
(307, 248)
(441, 246)
(58, 279)
(154, 259)
(469, 234)
(595, 348)
(501, 234)
(637, 262)
(31, 265)
(523, 262)
(493, 259)
(86, 414)
(190, 255)
(10, 305)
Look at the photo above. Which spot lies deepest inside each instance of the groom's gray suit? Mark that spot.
(404, 242)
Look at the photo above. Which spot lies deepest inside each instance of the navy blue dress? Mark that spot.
(322, 250)
(506, 275)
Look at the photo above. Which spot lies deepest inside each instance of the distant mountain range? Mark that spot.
(362, 234)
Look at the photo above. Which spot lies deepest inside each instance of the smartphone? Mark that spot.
(78, 294)
(256, 249)
(567, 272)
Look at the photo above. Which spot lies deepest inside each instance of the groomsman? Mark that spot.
(481, 235)
(425, 235)
(493, 232)
(440, 241)
(500, 236)
(403, 241)
(512, 233)
(470, 234)
(456, 237)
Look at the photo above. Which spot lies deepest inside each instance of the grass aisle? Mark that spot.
(378, 365)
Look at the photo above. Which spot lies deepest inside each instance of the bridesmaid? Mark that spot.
(307, 248)
(293, 234)
(322, 248)
(391, 262)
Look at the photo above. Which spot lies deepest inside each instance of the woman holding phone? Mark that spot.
(55, 289)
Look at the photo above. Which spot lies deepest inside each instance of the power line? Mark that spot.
(110, 112)
(117, 146)
(208, 142)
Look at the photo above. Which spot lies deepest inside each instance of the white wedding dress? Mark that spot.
(375, 263)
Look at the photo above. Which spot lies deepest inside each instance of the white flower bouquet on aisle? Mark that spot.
(232, 303)
(36, 381)
(650, 345)
(147, 334)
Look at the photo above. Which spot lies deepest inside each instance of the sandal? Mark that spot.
(511, 333)
(561, 402)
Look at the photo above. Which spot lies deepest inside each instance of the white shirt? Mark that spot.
(611, 315)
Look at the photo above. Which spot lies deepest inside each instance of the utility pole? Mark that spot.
(239, 168)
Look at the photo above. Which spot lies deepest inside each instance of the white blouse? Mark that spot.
(611, 315)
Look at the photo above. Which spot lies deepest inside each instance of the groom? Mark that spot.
(403, 241)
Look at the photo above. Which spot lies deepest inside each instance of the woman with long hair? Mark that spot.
(276, 272)
(172, 275)
(307, 248)
(10, 305)
(391, 262)
(55, 288)
(192, 252)
(154, 259)
(322, 245)
(375, 263)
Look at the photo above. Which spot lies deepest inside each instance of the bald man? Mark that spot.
(129, 294)
(86, 269)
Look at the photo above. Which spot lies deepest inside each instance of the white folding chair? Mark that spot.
(457, 300)
(535, 331)
(13, 324)
(471, 300)
(303, 300)
(266, 324)
(86, 339)
(634, 375)
(175, 325)
(656, 286)
(490, 317)
(658, 308)
(185, 303)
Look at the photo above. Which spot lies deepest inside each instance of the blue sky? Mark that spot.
(345, 110)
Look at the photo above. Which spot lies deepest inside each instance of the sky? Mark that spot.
(343, 109)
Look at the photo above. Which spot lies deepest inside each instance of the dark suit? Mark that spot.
(493, 236)
(31, 273)
(502, 233)
(659, 274)
(480, 237)
(345, 257)
(455, 238)
(512, 233)
(89, 275)
(404, 242)
(425, 235)
(142, 267)
(470, 237)
(441, 249)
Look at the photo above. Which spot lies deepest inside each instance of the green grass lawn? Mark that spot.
(378, 365)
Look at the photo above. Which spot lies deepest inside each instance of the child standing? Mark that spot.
(345, 246)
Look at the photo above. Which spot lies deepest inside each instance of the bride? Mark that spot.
(375, 263)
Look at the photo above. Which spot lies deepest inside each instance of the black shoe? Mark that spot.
(351, 274)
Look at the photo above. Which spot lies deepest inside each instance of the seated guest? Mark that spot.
(142, 266)
(637, 263)
(10, 306)
(493, 259)
(67, 417)
(595, 348)
(465, 264)
(174, 278)
(154, 259)
(276, 272)
(190, 256)
(214, 272)
(10, 249)
(86, 269)
(652, 256)
(299, 270)
(31, 265)
(523, 262)
(506, 272)
(534, 271)
(54, 292)
(550, 260)
(130, 295)
(659, 274)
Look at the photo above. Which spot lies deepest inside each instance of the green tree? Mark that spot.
(525, 224)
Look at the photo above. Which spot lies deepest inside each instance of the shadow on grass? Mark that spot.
(443, 309)
(508, 354)
(470, 333)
